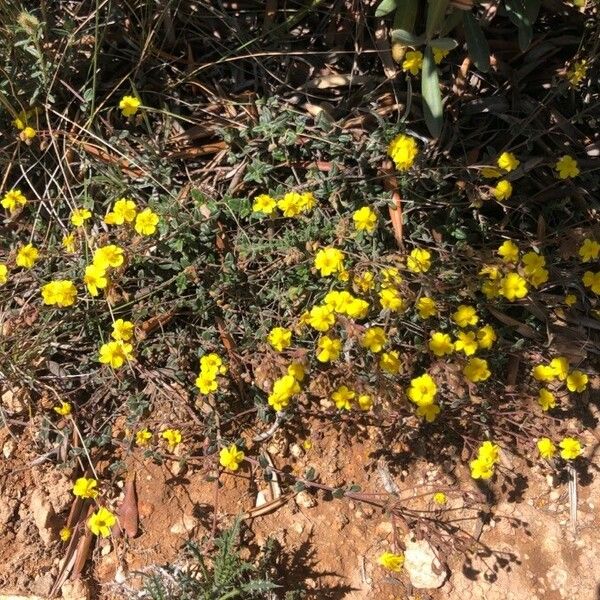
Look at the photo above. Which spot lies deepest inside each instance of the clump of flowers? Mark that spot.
(292, 204)
(61, 293)
(329, 261)
(211, 365)
(280, 338)
(284, 389)
(13, 200)
(483, 466)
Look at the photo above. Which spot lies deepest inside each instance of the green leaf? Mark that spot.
(432, 95)
(385, 7)
(444, 43)
(477, 45)
(517, 12)
(338, 493)
(407, 38)
(406, 15)
(310, 474)
(436, 11)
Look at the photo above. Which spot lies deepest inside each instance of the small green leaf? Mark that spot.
(385, 7)
(299, 487)
(432, 96)
(338, 493)
(517, 12)
(310, 474)
(443, 43)
(407, 38)
(477, 45)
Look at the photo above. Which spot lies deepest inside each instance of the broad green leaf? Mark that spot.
(443, 43)
(406, 15)
(517, 12)
(436, 11)
(432, 95)
(407, 38)
(385, 7)
(477, 45)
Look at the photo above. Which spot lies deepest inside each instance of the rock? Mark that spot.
(121, 574)
(43, 584)
(42, 513)
(296, 451)
(423, 567)
(75, 590)
(14, 401)
(8, 448)
(185, 525)
(305, 500)
(7, 510)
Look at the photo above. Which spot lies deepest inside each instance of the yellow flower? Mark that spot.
(342, 397)
(390, 277)
(466, 342)
(231, 457)
(108, 256)
(115, 354)
(413, 62)
(546, 448)
(27, 256)
(129, 105)
(364, 282)
(537, 277)
(357, 308)
(570, 448)
(338, 301)
(440, 498)
(465, 315)
(577, 381)
(476, 370)
(390, 362)
(64, 409)
(206, 382)
(321, 318)
(122, 330)
(65, 534)
(79, 216)
(513, 286)
(486, 336)
(143, 437)
(419, 261)
(365, 402)
(508, 161)
(124, 211)
(263, 203)
(480, 469)
(577, 71)
(95, 279)
(85, 488)
(422, 390)
(492, 271)
(291, 204)
(297, 371)
(570, 299)
(146, 222)
(592, 280)
(61, 292)
(27, 134)
(503, 190)
(426, 307)
(391, 300)
(283, 389)
(589, 250)
(429, 412)
(307, 201)
(391, 562)
(329, 349)
(68, 242)
(173, 437)
(329, 260)
(560, 367)
(543, 373)
(403, 150)
(13, 200)
(440, 343)
(101, 522)
(3, 273)
(439, 54)
(280, 338)
(365, 219)
(490, 288)
(509, 252)
(212, 363)
(532, 262)
(374, 339)
(546, 399)
(566, 167)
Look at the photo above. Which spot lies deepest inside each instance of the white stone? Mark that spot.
(186, 524)
(305, 500)
(420, 561)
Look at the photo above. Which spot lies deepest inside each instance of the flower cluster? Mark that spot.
(483, 466)
(291, 204)
(211, 365)
(570, 448)
(118, 351)
(286, 387)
